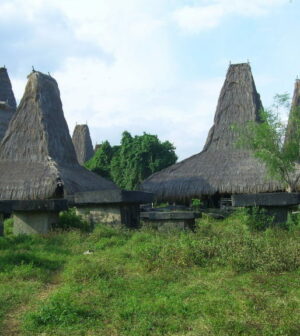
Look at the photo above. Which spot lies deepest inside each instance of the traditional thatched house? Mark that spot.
(39, 167)
(7, 101)
(37, 152)
(221, 168)
(82, 143)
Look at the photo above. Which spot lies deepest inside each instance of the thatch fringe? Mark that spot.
(37, 149)
(220, 167)
(82, 143)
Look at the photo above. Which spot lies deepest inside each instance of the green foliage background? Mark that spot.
(134, 160)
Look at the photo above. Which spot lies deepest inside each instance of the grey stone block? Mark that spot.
(266, 199)
(112, 196)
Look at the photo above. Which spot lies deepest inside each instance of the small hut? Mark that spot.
(82, 143)
(221, 168)
(7, 101)
(37, 154)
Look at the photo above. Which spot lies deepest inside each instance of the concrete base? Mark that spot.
(96, 214)
(26, 222)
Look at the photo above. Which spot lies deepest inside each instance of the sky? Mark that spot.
(154, 66)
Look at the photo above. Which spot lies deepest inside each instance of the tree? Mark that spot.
(274, 143)
(134, 160)
(100, 162)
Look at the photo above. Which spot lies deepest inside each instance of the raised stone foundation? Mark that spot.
(33, 222)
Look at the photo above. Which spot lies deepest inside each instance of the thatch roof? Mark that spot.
(7, 101)
(294, 112)
(37, 149)
(82, 143)
(6, 92)
(220, 167)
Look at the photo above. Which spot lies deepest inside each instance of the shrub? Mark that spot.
(8, 226)
(196, 204)
(258, 219)
(70, 220)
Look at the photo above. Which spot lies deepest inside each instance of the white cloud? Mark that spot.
(210, 14)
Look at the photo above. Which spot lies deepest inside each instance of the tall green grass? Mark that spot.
(222, 279)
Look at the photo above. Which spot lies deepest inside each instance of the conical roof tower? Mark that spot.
(7, 101)
(220, 167)
(294, 113)
(37, 149)
(82, 143)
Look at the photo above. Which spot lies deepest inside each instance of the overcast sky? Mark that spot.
(149, 65)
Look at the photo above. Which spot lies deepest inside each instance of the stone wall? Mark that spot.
(95, 214)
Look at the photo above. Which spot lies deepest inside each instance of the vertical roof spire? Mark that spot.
(83, 144)
(238, 103)
(294, 112)
(6, 92)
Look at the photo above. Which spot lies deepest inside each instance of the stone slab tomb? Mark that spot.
(115, 207)
(33, 217)
(277, 205)
(168, 221)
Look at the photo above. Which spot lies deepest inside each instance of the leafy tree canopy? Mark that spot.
(134, 160)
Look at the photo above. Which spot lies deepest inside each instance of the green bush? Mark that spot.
(196, 204)
(70, 220)
(8, 226)
(258, 219)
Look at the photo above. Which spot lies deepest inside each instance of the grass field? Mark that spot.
(221, 280)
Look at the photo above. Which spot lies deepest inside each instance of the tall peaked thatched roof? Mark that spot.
(82, 143)
(294, 112)
(6, 92)
(37, 150)
(220, 167)
(7, 101)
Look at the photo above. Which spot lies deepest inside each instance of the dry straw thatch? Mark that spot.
(221, 167)
(7, 101)
(37, 149)
(82, 143)
(294, 112)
